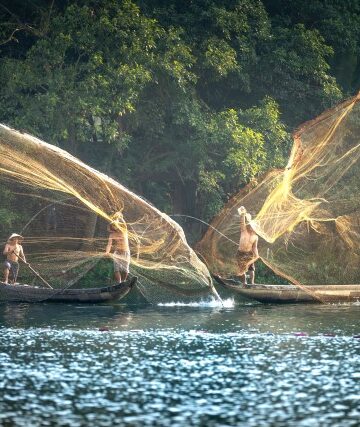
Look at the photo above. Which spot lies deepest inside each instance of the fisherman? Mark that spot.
(13, 250)
(118, 237)
(248, 251)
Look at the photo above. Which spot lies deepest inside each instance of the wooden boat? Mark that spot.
(28, 293)
(292, 294)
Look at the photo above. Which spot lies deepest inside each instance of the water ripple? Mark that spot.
(252, 365)
(176, 378)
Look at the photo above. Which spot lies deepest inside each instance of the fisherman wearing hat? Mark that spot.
(248, 251)
(118, 237)
(13, 250)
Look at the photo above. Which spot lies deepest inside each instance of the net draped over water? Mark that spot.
(62, 208)
(308, 214)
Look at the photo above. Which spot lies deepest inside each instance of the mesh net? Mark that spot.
(308, 214)
(62, 207)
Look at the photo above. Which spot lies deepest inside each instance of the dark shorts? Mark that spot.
(13, 266)
(251, 267)
(245, 261)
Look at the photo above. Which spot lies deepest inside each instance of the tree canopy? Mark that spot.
(184, 102)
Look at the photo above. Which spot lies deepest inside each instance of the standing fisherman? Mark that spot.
(248, 251)
(13, 250)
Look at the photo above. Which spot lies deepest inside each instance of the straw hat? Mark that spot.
(15, 235)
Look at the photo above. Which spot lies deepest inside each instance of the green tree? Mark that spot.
(183, 102)
(338, 23)
(244, 53)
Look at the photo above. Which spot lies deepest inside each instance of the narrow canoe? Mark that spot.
(28, 293)
(292, 294)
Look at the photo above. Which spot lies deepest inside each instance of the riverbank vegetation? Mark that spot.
(183, 102)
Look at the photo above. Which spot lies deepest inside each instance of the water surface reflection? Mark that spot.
(249, 365)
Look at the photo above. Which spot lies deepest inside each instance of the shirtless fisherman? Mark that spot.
(248, 251)
(13, 250)
(118, 238)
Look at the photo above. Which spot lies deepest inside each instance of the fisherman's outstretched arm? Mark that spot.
(255, 248)
(242, 212)
(22, 254)
(108, 246)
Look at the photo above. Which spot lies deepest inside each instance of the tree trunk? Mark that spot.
(184, 203)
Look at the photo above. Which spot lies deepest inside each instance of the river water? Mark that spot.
(203, 365)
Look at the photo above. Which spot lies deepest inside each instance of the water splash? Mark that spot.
(212, 303)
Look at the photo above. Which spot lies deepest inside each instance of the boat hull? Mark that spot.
(289, 294)
(27, 293)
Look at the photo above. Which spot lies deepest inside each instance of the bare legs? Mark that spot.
(251, 275)
(117, 276)
(6, 275)
(120, 276)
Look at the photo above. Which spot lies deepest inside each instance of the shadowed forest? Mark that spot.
(183, 102)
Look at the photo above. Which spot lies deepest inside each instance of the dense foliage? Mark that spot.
(182, 101)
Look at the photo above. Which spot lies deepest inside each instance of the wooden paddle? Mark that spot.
(34, 271)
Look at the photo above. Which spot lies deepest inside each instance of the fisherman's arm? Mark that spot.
(242, 212)
(21, 253)
(6, 249)
(255, 247)
(108, 246)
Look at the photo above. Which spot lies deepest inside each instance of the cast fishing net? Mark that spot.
(62, 208)
(308, 214)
